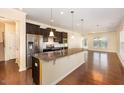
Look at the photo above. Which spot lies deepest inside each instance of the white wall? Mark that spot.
(111, 37)
(75, 42)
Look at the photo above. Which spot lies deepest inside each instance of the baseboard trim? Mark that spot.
(61, 78)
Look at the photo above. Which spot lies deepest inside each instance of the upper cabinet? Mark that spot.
(64, 35)
(60, 37)
(45, 35)
(32, 29)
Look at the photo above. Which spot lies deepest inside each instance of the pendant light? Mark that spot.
(51, 23)
(82, 20)
(72, 12)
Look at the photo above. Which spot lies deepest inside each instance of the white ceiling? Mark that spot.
(106, 18)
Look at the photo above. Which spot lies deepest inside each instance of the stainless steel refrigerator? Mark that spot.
(34, 45)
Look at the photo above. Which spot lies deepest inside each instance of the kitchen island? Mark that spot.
(55, 66)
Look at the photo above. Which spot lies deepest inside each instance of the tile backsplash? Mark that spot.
(56, 44)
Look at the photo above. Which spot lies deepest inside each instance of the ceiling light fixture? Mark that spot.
(51, 23)
(82, 20)
(72, 12)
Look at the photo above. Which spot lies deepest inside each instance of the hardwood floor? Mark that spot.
(100, 68)
(9, 74)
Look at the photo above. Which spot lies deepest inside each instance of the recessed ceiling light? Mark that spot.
(82, 19)
(61, 13)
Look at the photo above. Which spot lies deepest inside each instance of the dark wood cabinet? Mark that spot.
(60, 37)
(57, 36)
(45, 35)
(41, 31)
(64, 35)
(32, 28)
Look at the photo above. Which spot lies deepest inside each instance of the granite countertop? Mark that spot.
(48, 56)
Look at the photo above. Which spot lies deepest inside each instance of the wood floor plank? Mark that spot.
(9, 74)
(100, 69)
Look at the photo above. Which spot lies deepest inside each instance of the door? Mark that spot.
(2, 54)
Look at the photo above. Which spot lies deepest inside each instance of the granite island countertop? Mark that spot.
(49, 56)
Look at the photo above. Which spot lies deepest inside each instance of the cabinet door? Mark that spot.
(32, 29)
(28, 28)
(45, 35)
(60, 37)
(41, 31)
(64, 35)
(56, 34)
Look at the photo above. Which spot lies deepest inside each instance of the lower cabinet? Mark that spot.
(45, 39)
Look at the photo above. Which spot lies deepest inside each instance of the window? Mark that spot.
(100, 42)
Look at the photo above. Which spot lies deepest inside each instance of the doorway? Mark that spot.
(7, 40)
(8, 50)
(2, 42)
